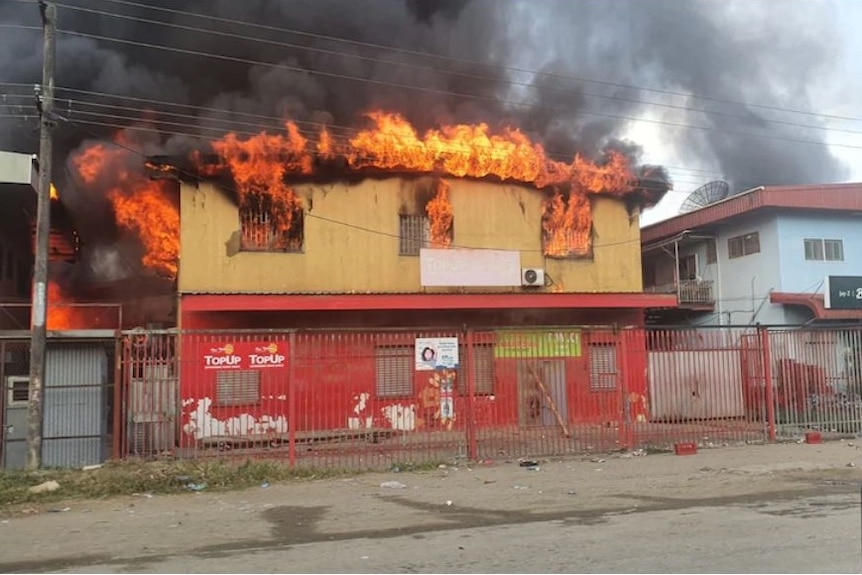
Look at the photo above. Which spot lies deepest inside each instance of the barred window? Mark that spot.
(260, 231)
(237, 387)
(394, 371)
(19, 391)
(414, 233)
(483, 370)
(603, 366)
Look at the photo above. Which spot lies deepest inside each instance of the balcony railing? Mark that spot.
(689, 292)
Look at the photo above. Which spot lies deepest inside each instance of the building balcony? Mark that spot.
(690, 293)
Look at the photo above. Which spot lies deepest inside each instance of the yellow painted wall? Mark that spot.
(339, 258)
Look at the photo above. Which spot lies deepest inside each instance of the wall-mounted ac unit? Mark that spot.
(532, 277)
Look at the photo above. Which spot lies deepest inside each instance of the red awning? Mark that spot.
(341, 302)
(815, 303)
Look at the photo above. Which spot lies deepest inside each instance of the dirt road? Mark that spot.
(790, 508)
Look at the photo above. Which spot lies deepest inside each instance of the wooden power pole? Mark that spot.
(38, 327)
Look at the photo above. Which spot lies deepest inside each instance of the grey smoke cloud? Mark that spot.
(727, 50)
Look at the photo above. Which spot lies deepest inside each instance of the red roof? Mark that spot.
(830, 197)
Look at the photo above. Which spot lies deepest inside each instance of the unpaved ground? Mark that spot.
(722, 509)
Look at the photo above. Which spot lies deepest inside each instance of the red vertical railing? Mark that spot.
(767, 379)
(291, 402)
(356, 398)
(472, 447)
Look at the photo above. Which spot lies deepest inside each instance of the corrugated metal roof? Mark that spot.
(824, 197)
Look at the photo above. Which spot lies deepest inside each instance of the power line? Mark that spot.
(281, 121)
(237, 59)
(474, 76)
(470, 62)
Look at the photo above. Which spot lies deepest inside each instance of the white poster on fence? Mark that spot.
(436, 352)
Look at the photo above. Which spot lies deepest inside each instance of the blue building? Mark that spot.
(761, 256)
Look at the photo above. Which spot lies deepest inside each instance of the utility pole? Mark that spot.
(38, 327)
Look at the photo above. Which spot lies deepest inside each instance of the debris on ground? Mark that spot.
(45, 487)
(264, 485)
(91, 467)
(393, 485)
(529, 463)
(63, 510)
(147, 495)
(196, 486)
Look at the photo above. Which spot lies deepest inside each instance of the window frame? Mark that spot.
(711, 251)
(838, 246)
(241, 395)
(598, 378)
(743, 245)
(823, 250)
(248, 242)
(396, 385)
(484, 370)
(409, 227)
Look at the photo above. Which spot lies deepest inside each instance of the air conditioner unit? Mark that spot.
(532, 277)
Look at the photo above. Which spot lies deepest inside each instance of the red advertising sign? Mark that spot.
(245, 355)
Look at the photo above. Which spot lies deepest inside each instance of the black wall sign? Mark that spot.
(843, 292)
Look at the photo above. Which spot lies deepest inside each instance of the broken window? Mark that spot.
(567, 227)
(414, 233)
(266, 231)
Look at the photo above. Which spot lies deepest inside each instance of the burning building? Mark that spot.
(396, 228)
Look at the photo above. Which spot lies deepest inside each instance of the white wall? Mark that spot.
(743, 284)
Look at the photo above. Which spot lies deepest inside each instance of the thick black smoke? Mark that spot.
(727, 51)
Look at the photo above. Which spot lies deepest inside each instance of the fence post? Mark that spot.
(623, 383)
(472, 447)
(291, 400)
(119, 407)
(766, 360)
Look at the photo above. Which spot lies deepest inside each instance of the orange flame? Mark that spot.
(145, 208)
(141, 206)
(61, 315)
(439, 212)
(260, 164)
(567, 226)
(53, 193)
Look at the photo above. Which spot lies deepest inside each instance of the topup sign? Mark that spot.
(245, 355)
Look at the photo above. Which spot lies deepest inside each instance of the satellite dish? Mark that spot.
(710, 193)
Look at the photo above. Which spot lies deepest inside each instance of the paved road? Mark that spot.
(801, 534)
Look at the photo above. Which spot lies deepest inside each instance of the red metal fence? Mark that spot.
(372, 399)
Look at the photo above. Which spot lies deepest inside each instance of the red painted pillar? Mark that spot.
(472, 445)
(766, 358)
(291, 400)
